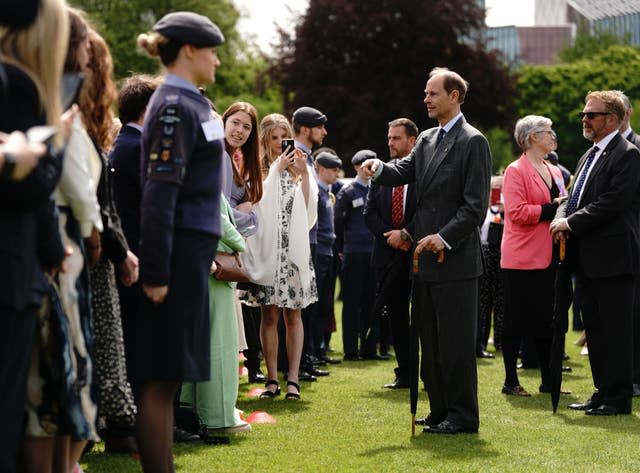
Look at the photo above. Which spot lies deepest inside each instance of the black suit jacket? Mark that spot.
(634, 138)
(605, 238)
(453, 182)
(377, 217)
(125, 161)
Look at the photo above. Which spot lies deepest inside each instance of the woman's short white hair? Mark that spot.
(527, 126)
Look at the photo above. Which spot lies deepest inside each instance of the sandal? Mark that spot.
(266, 394)
(293, 396)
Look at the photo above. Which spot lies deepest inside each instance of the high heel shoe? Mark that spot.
(266, 394)
(293, 396)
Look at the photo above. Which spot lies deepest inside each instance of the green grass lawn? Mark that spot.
(349, 423)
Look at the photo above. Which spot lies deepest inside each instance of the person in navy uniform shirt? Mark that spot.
(355, 242)
(327, 167)
(179, 227)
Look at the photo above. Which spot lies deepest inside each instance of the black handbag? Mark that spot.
(229, 268)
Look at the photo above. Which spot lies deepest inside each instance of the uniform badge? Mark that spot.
(153, 156)
(166, 154)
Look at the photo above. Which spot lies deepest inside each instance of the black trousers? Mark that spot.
(322, 308)
(358, 287)
(307, 320)
(447, 313)
(636, 334)
(17, 331)
(491, 299)
(607, 313)
(251, 321)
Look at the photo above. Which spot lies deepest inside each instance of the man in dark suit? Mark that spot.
(627, 132)
(125, 162)
(391, 258)
(451, 165)
(601, 215)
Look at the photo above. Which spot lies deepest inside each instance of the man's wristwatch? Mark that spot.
(8, 167)
(404, 235)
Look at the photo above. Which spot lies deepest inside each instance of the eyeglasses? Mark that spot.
(551, 132)
(592, 115)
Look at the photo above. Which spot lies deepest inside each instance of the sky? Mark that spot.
(258, 16)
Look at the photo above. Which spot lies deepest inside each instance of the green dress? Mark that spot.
(215, 400)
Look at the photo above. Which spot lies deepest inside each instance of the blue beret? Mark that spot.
(189, 28)
(328, 160)
(362, 155)
(307, 116)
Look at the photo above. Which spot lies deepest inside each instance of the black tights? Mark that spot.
(511, 346)
(154, 426)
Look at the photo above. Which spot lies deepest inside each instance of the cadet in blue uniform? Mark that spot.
(179, 228)
(327, 167)
(355, 241)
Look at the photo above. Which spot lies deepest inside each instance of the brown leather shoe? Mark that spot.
(515, 391)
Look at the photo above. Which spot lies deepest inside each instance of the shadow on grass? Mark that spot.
(393, 395)
(273, 406)
(461, 447)
(627, 424)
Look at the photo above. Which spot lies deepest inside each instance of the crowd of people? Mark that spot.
(142, 253)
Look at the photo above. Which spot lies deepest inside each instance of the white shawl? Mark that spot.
(261, 257)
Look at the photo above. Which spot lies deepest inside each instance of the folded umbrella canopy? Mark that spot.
(562, 302)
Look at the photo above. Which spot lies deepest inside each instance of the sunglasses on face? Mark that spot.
(592, 115)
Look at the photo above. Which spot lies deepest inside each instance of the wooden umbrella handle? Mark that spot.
(563, 249)
(440, 259)
(413, 425)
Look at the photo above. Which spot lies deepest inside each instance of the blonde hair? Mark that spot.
(158, 45)
(40, 51)
(267, 125)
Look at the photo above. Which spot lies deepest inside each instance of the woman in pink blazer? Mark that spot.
(532, 190)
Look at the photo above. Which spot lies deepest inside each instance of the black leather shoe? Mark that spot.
(397, 384)
(567, 369)
(607, 410)
(305, 376)
(584, 406)
(352, 358)
(313, 371)
(636, 390)
(449, 428)
(484, 354)
(429, 421)
(374, 356)
(331, 361)
(182, 436)
(315, 361)
(257, 376)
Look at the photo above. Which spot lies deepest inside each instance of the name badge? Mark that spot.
(213, 130)
(359, 202)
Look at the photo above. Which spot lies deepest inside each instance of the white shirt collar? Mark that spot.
(451, 123)
(604, 142)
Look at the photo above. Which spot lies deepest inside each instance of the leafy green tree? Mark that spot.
(366, 63)
(242, 75)
(588, 44)
(558, 92)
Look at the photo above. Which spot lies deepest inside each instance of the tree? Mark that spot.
(586, 44)
(558, 92)
(366, 63)
(243, 72)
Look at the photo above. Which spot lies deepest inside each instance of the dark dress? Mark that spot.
(180, 228)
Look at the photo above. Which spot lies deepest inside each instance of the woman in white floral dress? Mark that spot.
(282, 272)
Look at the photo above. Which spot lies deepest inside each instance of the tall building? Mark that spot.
(550, 12)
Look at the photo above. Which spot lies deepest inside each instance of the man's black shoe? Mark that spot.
(313, 371)
(449, 428)
(567, 369)
(429, 421)
(584, 406)
(305, 376)
(484, 354)
(182, 436)
(352, 357)
(397, 384)
(374, 356)
(331, 361)
(607, 410)
(257, 376)
(315, 361)
(636, 390)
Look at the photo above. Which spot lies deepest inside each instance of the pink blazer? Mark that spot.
(526, 242)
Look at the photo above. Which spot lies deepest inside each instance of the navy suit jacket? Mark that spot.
(125, 161)
(377, 216)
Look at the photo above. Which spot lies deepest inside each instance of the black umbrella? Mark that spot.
(560, 324)
(414, 343)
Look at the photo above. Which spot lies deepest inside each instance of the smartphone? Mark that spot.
(287, 145)
(41, 134)
(70, 88)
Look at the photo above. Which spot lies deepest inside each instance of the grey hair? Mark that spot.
(625, 100)
(527, 126)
